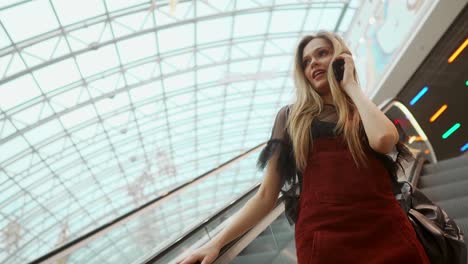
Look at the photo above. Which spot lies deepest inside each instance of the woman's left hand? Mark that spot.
(349, 83)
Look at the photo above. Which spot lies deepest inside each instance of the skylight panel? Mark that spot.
(347, 19)
(43, 51)
(252, 48)
(176, 37)
(287, 21)
(115, 5)
(40, 19)
(109, 105)
(29, 115)
(78, 116)
(17, 92)
(178, 82)
(146, 91)
(313, 20)
(97, 61)
(11, 147)
(182, 62)
(329, 19)
(183, 10)
(244, 70)
(211, 74)
(145, 71)
(131, 23)
(273, 65)
(206, 30)
(104, 85)
(212, 94)
(212, 55)
(52, 148)
(250, 24)
(70, 12)
(57, 75)
(43, 132)
(117, 120)
(88, 36)
(247, 4)
(205, 8)
(67, 99)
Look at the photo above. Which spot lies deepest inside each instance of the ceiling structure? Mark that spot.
(107, 104)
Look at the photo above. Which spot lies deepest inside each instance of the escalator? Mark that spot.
(446, 183)
(270, 241)
(274, 245)
(199, 234)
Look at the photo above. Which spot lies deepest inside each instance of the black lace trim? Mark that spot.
(322, 129)
(286, 168)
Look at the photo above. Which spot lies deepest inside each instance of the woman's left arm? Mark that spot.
(380, 131)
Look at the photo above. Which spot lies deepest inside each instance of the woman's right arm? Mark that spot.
(251, 213)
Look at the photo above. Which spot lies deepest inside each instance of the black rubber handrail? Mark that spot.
(240, 243)
(98, 232)
(200, 226)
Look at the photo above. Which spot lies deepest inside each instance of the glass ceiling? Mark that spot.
(107, 104)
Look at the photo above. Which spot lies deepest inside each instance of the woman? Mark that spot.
(329, 147)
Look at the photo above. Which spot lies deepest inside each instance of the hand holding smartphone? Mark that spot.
(338, 69)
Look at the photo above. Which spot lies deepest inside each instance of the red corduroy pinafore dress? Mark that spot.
(349, 214)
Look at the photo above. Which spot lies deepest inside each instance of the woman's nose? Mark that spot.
(312, 63)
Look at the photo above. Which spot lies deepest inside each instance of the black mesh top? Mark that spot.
(291, 179)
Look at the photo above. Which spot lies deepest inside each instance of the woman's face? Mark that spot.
(316, 57)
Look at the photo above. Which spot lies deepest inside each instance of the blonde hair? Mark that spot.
(309, 105)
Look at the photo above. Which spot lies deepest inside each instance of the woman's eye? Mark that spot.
(323, 53)
(306, 62)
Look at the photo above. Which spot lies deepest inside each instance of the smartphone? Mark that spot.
(338, 69)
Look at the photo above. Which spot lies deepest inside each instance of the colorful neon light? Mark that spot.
(465, 147)
(419, 95)
(458, 51)
(451, 130)
(415, 138)
(438, 113)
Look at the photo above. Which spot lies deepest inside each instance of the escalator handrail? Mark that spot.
(386, 105)
(233, 248)
(160, 254)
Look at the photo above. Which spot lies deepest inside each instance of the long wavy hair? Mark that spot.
(309, 105)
